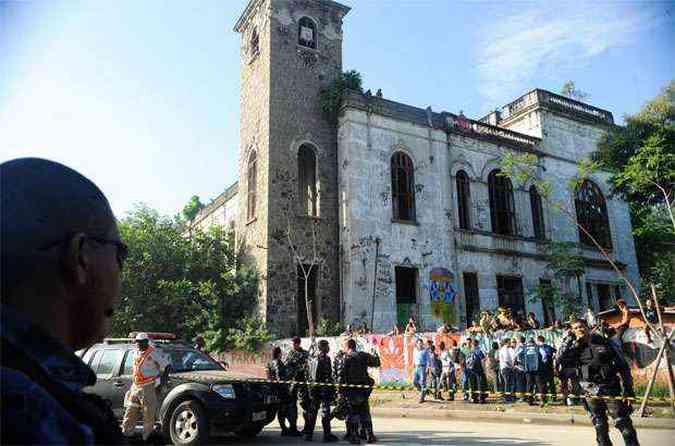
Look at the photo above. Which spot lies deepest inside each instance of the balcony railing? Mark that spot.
(465, 125)
(546, 98)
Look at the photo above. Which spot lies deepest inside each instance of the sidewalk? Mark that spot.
(405, 405)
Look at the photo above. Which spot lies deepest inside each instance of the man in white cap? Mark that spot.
(149, 365)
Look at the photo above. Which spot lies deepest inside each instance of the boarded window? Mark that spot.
(252, 182)
(303, 323)
(307, 33)
(548, 305)
(592, 215)
(463, 200)
(510, 293)
(537, 214)
(402, 187)
(605, 300)
(471, 296)
(502, 210)
(307, 180)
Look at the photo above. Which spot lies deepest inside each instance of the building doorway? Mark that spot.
(605, 300)
(471, 297)
(301, 307)
(406, 294)
(547, 305)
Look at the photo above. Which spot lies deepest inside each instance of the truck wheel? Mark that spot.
(250, 431)
(188, 425)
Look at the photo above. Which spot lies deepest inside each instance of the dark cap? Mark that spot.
(296, 339)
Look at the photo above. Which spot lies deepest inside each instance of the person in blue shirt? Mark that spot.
(61, 258)
(421, 362)
(547, 372)
(477, 378)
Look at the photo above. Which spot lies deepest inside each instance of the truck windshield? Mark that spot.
(185, 360)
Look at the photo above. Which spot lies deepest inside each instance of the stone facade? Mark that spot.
(365, 254)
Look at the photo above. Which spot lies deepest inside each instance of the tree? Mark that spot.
(566, 265)
(641, 158)
(179, 284)
(331, 97)
(570, 90)
(192, 208)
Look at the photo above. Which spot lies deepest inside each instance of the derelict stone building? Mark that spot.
(403, 206)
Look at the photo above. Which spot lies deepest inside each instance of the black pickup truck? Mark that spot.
(200, 399)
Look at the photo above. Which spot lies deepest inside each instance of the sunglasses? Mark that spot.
(121, 247)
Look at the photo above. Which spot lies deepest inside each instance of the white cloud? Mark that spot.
(544, 39)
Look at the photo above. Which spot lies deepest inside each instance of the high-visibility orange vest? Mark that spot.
(139, 378)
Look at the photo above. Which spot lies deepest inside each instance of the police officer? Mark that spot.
(355, 371)
(148, 368)
(320, 370)
(296, 363)
(277, 371)
(600, 366)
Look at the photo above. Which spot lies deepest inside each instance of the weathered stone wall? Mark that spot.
(366, 145)
(280, 112)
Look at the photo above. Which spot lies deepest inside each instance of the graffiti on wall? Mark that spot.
(442, 293)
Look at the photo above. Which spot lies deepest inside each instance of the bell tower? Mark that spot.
(290, 51)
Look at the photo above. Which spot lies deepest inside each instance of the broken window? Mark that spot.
(307, 33)
(406, 293)
(471, 297)
(463, 200)
(502, 210)
(510, 294)
(301, 304)
(605, 300)
(252, 185)
(537, 214)
(307, 180)
(547, 304)
(592, 215)
(402, 187)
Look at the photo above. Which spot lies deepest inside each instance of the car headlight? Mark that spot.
(224, 390)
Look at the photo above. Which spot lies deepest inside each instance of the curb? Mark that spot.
(506, 417)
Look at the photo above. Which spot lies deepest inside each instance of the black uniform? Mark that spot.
(565, 364)
(320, 370)
(277, 371)
(600, 366)
(296, 363)
(355, 371)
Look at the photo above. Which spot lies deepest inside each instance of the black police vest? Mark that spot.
(597, 362)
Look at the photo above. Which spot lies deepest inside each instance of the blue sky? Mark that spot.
(143, 96)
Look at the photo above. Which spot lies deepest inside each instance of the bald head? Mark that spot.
(44, 202)
(59, 238)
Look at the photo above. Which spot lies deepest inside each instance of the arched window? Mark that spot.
(592, 215)
(307, 33)
(252, 181)
(402, 187)
(307, 180)
(463, 200)
(537, 214)
(502, 210)
(255, 43)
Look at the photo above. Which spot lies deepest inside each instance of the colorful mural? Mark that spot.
(442, 293)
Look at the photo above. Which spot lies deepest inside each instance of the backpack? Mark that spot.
(473, 361)
(531, 358)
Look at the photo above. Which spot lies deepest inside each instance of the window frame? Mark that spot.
(537, 208)
(315, 34)
(402, 166)
(251, 185)
(308, 188)
(592, 215)
(502, 204)
(114, 371)
(463, 186)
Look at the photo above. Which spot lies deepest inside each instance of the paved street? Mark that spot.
(413, 432)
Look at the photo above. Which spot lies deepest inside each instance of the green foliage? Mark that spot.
(331, 97)
(186, 285)
(328, 327)
(192, 208)
(570, 90)
(250, 336)
(641, 157)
